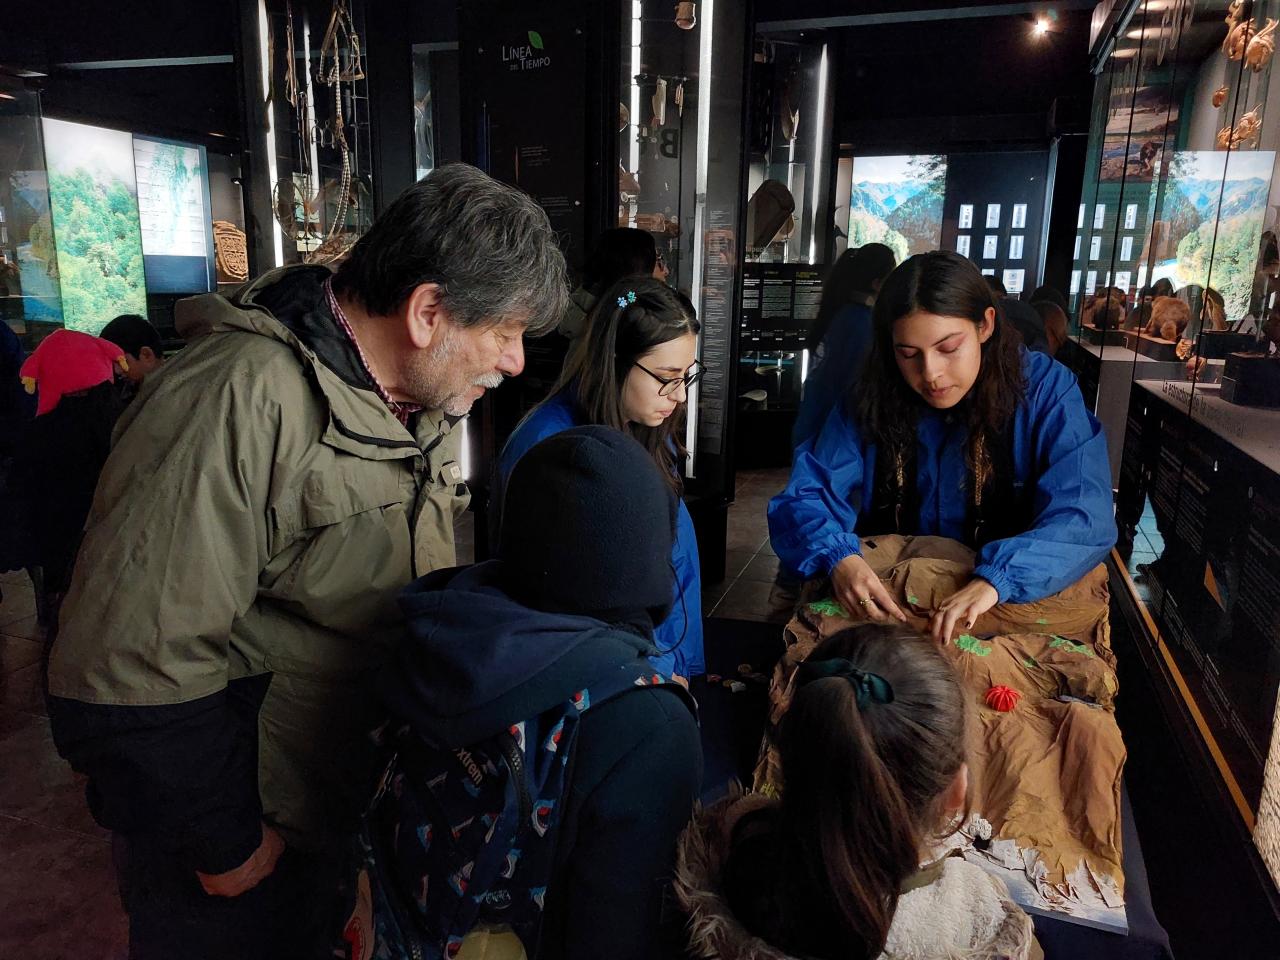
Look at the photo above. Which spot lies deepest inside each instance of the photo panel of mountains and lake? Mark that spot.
(897, 201)
(1214, 204)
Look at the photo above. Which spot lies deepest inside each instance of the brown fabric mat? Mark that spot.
(1045, 775)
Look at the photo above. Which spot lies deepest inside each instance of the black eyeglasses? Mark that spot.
(671, 384)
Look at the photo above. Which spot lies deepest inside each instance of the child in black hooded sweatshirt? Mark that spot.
(583, 577)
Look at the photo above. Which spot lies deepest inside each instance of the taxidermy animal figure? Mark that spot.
(1239, 32)
(1232, 21)
(1169, 317)
(1220, 96)
(1258, 53)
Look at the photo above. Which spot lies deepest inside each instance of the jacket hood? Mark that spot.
(951, 910)
(574, 322)
(474, 661)
(288, 305)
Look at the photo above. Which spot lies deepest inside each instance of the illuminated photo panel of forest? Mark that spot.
(93, 198)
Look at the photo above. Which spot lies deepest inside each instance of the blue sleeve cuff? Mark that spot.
(997, 578)
(837, 548)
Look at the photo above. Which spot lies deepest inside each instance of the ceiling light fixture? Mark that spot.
(1041, 28)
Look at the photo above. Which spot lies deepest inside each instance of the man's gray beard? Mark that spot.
(429, 384)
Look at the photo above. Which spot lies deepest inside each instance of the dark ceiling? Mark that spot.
(965, 78)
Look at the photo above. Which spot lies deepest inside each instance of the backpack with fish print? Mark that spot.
(463, 840)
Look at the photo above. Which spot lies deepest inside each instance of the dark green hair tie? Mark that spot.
(868, 687)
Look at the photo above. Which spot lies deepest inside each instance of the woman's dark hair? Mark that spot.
(1161, 288)
(617, 337)
(489, 246)
(863, 792)
(1048, 294)
(620, 252)
(854, 272)
(884, 405)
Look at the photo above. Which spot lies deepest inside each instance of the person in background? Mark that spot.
(954, 430)
(633, 374)
(620, 252)
(1048, 294)
(290, 471)
(17, 407)
(1026, 320)
(1020, 316)
(142, 347)
(840, 335)
(872, 751)
(582, 578)
(1054, 320)
(61, 455)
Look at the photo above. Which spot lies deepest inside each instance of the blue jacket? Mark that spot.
(1058, 449)
(679, 637)
(835, 366)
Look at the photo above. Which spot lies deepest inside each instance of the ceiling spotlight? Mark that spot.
(1041, 28)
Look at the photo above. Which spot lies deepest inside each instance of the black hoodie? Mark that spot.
(476, 661)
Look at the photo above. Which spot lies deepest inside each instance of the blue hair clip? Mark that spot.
(629, 299)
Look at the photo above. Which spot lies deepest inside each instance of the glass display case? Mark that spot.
(1174, 323)
(788, 233)
(30, 296)
(680, 112)
(317, 138)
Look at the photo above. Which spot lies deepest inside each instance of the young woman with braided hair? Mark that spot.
(633, 375)
(953, 430)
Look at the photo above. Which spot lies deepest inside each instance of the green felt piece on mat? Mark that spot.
(971, 644)
(1065, 644)
(913, 599)
(1042, 621)
(1030, 662)
(829, 608)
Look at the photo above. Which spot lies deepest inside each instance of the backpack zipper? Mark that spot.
(515, 763)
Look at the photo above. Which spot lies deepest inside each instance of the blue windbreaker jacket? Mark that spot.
(1058, 449)
(679, 637)
(835, 366)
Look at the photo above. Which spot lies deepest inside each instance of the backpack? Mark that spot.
(462, 840)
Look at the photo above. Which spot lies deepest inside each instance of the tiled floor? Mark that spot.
(750, 563)
(57, 886)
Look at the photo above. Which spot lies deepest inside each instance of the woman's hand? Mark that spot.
(857, 587)
(962, 609)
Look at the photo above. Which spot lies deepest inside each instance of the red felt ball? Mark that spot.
(1003, 698)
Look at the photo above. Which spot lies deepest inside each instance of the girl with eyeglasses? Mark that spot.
(640, 359)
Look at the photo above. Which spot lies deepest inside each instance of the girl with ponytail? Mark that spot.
(634, 373)
(872, 751)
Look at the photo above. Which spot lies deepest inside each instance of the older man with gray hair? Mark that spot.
(286, 475)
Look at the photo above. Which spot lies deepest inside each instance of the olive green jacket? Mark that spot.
(256, 518)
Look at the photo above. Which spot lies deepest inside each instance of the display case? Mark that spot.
(30, 296)
(788, 234)
(311, 145)
(680, 120)
(1173, 296)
